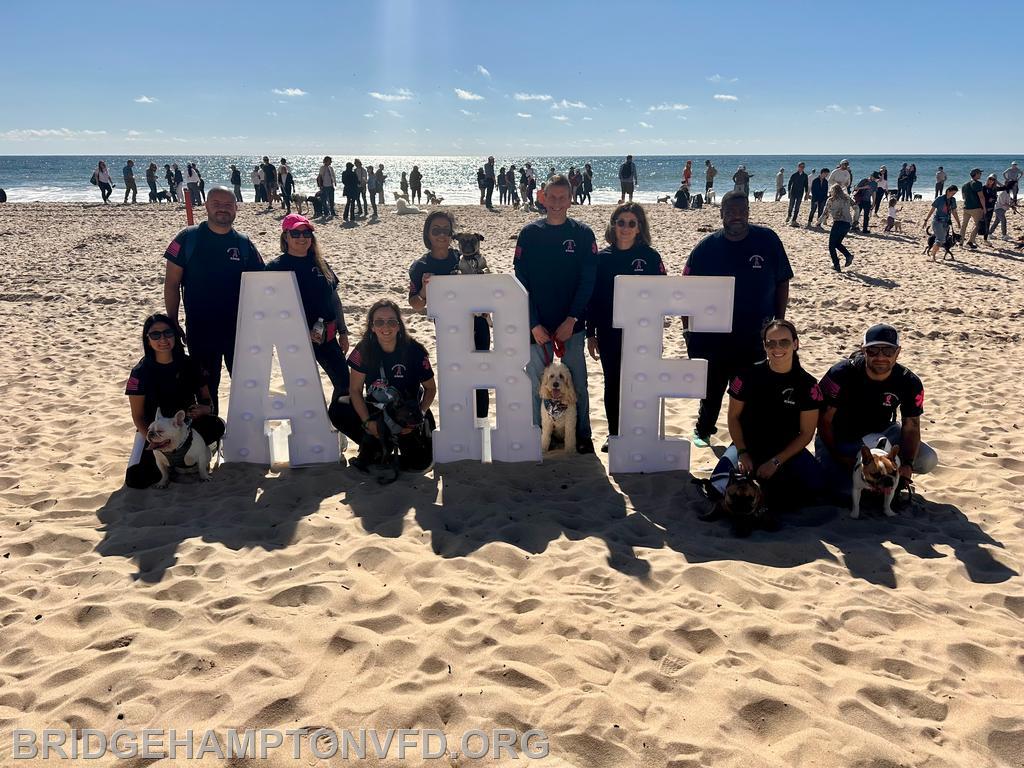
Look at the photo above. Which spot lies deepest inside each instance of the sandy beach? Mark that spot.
(552, 597)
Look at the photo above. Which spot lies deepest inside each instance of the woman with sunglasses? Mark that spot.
(629, 252)
(169, 380)
(773, 414)
(442, 259)
(318, 289)
(387, 359)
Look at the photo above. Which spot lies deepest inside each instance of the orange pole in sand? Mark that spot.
(188, 204)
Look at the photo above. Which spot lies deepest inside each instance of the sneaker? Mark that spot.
(794, 224)
(604, 446)
(972, 246)
(701, 441)
(584, 445)
(849, 261)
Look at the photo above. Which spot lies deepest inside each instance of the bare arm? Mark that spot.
(355, 393)
(910, 443)
(138, 405)
(429, 393)
(172, 289)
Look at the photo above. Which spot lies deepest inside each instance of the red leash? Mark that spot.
(557, 346)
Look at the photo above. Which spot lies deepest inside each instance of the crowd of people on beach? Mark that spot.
(776, 409)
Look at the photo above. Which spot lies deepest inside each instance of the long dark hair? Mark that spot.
(369, 348)
(429, 222)
(779, 323)
(178, 352)
(314, 252)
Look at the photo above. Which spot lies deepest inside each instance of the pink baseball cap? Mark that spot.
(294, 221)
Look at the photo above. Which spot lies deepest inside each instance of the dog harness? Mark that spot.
(555, 409)
(176, 458)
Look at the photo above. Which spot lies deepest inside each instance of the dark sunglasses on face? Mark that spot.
(780, 343)
(631, 223)
(388, 322)
(295, 234)
(157, 335)
(883, 351)
(440, 232)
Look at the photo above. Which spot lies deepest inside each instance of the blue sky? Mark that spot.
(443, 77)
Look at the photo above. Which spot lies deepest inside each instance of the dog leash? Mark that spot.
(557, 346)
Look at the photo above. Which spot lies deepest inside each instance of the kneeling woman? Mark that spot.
(318, 289)
(166, 379)
(773, 412)
(387, 358)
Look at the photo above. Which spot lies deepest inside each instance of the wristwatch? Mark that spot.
(776, 462)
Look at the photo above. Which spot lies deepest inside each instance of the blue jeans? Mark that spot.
(327, 195)
(841, 478)
(577, 365)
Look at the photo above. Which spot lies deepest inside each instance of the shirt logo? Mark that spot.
(756, 261)
(639, 265)
(570, 246)
(787, 396)
(889, 400)
(919, 400)
(398, 371)
(234, 254)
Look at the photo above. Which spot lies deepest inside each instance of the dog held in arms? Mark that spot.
(393, 416)
(472, 262)
(742, 503)
(877, 469)
(558, 407)
(177, 447)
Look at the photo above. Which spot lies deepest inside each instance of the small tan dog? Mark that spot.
(877, 469)
(557, 407)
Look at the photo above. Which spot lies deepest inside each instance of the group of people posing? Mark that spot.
(775, 407)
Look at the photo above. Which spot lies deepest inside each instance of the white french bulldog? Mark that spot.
(176, 446)
(877, 469)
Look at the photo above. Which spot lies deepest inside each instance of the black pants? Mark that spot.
(817, 209)
(794, 207)
(208, 349)
(142, 475)
(488, 193)
(938, 189)
(152, 191)
(349, 214)
(726, 356)
(105, 190)
(332, 360)
(286, 198)
(415, 451)
(865, 209)
(879, 196)
(609, 344)
(373, 204)
(835, 241)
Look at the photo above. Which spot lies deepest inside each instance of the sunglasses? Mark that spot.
(884, 351)
(623, 223)
(389, 322)
(779, 343)
(295, 234)
(157, 335)
(440, 232)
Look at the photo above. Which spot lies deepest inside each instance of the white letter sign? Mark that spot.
(641, 304)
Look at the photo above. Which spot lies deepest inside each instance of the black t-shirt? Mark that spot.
(404, 369)
(428, 264)
(798, 184)
(315, 289)
(627, 171)
(772, 405)
(639, 260)
(212, 279)
(758, 262)
(236, 176)
(864, 405)
(557, 265)
(269, 174)
(171, 387)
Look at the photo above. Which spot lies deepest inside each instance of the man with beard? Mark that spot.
(862, 395)
(205, 265)
(756, 258)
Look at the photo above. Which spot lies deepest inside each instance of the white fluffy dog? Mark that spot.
(557, 407)
(403, 207)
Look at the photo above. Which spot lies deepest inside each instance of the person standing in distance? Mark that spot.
(128, 172)
(204, 267)
(756, 258)
(627, 179)
(556, 261)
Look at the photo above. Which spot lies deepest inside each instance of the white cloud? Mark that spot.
(642, 124)
(28, 134)
(467, 113)
(873, 108)
(146, 100)
(402, 94)
(289, 92)
(665, 107)
(134, 133)
(369, 114)
(560, 118)
(834, 108)
(483, 70)
(725, 97)
(716, 78)
(621, 130)
(532, 97)
(563, 104)
(394, 114)
(523, 114)
(588, 118)
(271, 114)
(468, 95)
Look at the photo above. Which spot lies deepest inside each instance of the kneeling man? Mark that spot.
(862, 395)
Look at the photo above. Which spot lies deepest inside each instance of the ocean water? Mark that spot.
(60, 178)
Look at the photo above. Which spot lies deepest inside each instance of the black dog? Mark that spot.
(399, 424)
(951, 239)
(163, 196)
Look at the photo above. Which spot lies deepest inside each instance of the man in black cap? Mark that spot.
(974, 208)
(862, 395)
